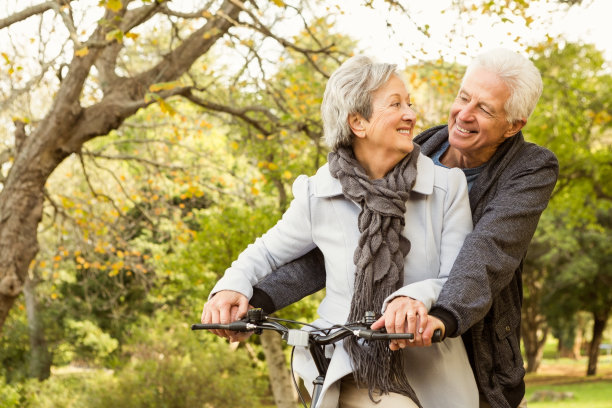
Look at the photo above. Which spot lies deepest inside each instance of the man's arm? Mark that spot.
(493, 251)
(290, 282)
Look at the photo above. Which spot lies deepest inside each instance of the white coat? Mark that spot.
(437, 218)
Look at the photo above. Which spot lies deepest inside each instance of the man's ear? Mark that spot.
(357, 124)
(515, 128)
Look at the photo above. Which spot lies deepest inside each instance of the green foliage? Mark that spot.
(573, 119)
(167, 366)
(14, 346)
(570, 254)
(10, 395)
(175, 367)
(223, 232)
(87, 341)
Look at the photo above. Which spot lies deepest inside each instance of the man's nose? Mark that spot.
(466, 113)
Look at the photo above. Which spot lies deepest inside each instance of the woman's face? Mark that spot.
(388, 132)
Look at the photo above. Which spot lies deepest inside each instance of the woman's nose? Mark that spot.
(409, 114)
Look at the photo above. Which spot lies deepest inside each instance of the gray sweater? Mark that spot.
(481, 301)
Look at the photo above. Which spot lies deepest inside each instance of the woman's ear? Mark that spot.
(357, 124)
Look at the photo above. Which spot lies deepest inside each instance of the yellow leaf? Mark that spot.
(81, 52)
(132, 36)
(115, 35)
(164, 86)
(163, 105)
(114, 5)
(279, 3)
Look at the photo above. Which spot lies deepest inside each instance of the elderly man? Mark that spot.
(510, 184)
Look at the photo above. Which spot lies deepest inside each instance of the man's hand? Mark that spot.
(407, 315)
(225, 307)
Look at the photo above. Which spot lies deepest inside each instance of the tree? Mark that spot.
(96, 90)
(573, 120)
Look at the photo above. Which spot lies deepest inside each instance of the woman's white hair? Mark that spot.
(519, 74)
(349, 91)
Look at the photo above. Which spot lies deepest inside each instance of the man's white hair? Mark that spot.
(519, 74)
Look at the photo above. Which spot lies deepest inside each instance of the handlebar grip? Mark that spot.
(437, 336)
(393, 336)
(377, 335)
(238, 326)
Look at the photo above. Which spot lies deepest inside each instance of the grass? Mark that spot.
(557, 376)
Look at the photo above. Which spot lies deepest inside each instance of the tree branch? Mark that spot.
(241, 113)
(27, 13)
(263, 29)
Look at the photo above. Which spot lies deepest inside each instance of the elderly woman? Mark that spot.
(389, 224)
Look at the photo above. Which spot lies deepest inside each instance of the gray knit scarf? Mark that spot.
(379, 261)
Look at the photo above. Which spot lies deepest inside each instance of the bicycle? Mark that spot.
(257, 320)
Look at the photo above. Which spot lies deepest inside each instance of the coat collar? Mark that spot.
(324, 185)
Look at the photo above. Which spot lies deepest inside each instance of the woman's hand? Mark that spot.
(407, 315)
(225, 307)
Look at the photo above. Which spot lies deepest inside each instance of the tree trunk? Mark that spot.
(534, 341)
(40, 358)
(534, 328)
(599, 324)
(577, 347)
(21, 203)
(280, 377)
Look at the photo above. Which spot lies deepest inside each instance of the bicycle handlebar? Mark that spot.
(256, 321)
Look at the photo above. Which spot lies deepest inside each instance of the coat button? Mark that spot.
(508, 329)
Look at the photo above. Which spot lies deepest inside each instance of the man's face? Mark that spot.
(477, 122)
